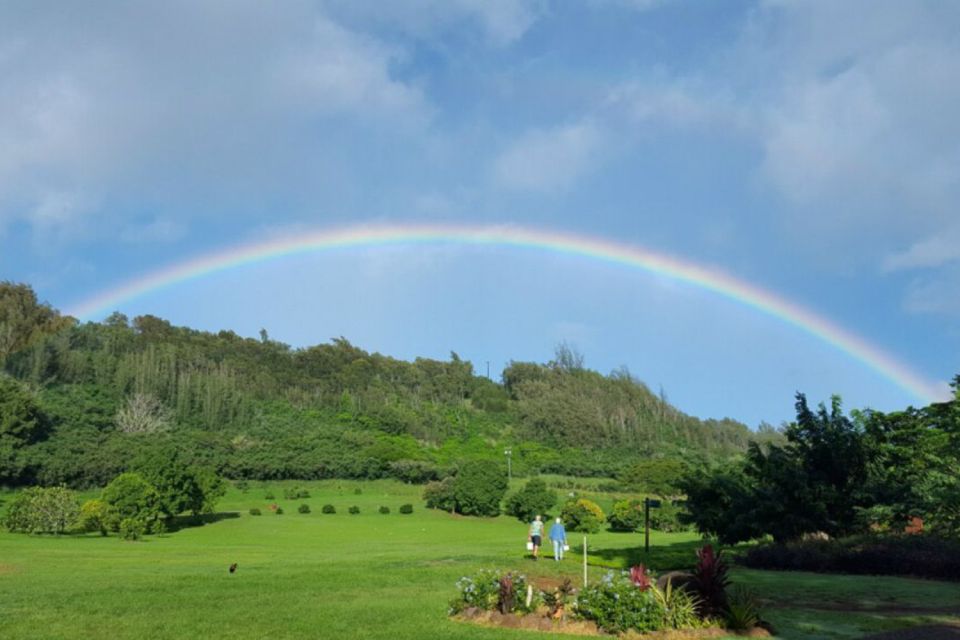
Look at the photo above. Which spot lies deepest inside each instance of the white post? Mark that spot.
(584, 560)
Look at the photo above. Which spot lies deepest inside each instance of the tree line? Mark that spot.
(77, 399)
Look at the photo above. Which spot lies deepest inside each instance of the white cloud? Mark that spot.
(550, 159)
(935, 293)
(930, 252)
(122, 106)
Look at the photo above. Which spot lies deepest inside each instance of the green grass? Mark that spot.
(356, 576)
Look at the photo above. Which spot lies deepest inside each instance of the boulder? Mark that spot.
(679, 580)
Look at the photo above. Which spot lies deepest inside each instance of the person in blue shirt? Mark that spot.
(558, 535)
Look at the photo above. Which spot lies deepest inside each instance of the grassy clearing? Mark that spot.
(360, 576)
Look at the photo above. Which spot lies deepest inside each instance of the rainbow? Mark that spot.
(706, 278)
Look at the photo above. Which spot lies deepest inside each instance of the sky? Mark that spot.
(809, 149)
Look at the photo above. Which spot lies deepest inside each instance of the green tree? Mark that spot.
(21, 419)
(478, 488)
(533, 499)
(582, 515)
(43, 510)
(131, 497)
(657, 476)
(626, 515)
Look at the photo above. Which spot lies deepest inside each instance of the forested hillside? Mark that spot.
(79, 401)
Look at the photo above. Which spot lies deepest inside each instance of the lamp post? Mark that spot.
(508, 453)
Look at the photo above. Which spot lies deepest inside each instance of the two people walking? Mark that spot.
(558, 536)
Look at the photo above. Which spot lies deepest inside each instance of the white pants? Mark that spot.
(557, 550)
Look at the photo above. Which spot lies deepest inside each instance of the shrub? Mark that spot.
(582, 515)
(255, 511)
(295, 493)
(328, 508)
(95, 515)
(304, 508)
(557, 600)
(489, 589)
(132, 529)
(626, 515)
(269, 496)
(406, 508)
(358, 491)
(157, 527)
(680, 607)
(242, 485)
(918, 555)
(534, 498)
(617, 605)
(669, 517)
(279, 511)
(743, 611)
(478, 488)
(480, 590)
(413, 471)
(354, 510)
(384, 510)
(43, 510)
(131, 497)
(440, 495)
(712, 581)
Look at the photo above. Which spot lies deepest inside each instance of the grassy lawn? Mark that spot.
(362, 576)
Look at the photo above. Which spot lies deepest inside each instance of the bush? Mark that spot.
(489, 589)
(582, 515)
(384, 510)
(406, 508)
(478, 488)
(131, 497)
(413, 471)
(328, 508)
(304, 508)
(533, 499)
(480, 590)
(626, 515)
(669, 518)
(712, 581)
(917, 555)
(43, 510)
(279, 511)
(617, 605)
(242, 485)
(255, 511)
(440, 495)
(269, 496)
(132, 529)
(95, 515)
(358, 491)
(295, 493)
(354, 510)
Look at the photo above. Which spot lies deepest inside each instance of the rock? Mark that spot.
(679, 580)
(471, 612)
(511, 620)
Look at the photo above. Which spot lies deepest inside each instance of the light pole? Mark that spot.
(508, 453)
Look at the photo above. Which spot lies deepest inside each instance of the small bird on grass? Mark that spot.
(233, 568)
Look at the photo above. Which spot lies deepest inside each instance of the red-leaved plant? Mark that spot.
(639, 577)
(506, 599)
(712, 581)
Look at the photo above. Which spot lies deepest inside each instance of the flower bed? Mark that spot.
(619, 603)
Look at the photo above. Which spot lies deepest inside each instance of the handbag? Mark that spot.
(530, 546)
(566, 547)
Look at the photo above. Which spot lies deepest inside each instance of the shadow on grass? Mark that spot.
(676, 556)
(177, 523)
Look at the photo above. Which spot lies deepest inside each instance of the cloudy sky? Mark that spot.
(811, 149)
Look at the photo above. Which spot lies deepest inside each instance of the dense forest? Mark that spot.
(80, 400)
